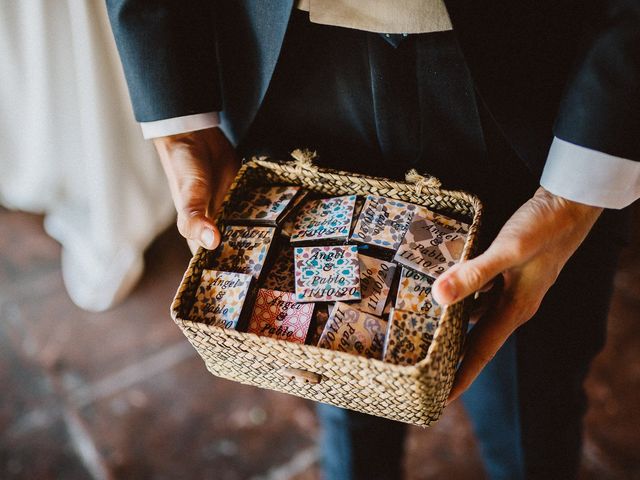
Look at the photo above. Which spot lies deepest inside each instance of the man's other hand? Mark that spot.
(200, 166)
(529, 252)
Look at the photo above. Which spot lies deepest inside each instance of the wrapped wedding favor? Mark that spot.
(277, 315)
(262, 206)
(352, 331)
(220, 298)
(433, 243)
(376, 277)
(327, 273)
(408, 337)
(243, 249)
(414, 293)
(324, 219)
(383, 222)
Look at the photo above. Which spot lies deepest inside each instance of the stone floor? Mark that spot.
(122, 395)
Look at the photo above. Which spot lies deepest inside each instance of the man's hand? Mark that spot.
(529, 252)
(200, 166)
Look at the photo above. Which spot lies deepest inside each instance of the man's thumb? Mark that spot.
(199, 228)
(465, 278)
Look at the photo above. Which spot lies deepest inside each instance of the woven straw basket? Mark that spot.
(413, 394)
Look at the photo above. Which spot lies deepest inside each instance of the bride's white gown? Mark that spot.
(70, 148)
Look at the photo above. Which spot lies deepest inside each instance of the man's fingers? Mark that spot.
(199, 166)
(198, 228)
(483, 342)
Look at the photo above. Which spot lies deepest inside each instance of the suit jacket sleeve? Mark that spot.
(168, 52)
(600, 109)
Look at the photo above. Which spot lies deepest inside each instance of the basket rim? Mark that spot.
(297, 167)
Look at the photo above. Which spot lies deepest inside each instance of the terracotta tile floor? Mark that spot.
(122, 395)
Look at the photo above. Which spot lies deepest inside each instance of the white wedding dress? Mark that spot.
(70, 148)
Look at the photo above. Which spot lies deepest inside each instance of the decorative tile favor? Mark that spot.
(220, 297)
(327, 274)
(276, 314)
(262, 205)
(243, 249)
(324, 219)
(408, 337)
(281, 274)
(352, 331)
(383, 222)
(414, 293)
(376, 277)
(432, 244)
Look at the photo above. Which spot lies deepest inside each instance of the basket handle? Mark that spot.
(303, 161)
(421, 181)
(301, 376)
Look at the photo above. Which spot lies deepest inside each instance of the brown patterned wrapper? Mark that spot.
(262, 205)
(220, 298)
(327, 273)
(383, 222)
(433, 243)
(277, 315)
(288, 223)
(323, 311)
(288, 220)
(356, 214)
(350, 330)
(281, 274)
(387, 308)
(243, 249)
(324, 219)
(393, 292)
(376, 277)
(408, 337)
(414, 293)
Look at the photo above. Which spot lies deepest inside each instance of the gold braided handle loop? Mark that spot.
(421, 181)
(303, 161)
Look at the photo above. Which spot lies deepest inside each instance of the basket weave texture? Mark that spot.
(412, 394)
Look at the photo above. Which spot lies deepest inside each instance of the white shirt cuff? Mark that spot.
(590, 177)
(176, 125)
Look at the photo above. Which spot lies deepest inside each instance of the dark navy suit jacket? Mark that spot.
(535, 63)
